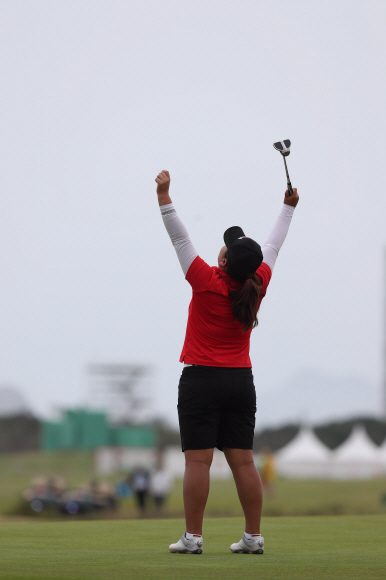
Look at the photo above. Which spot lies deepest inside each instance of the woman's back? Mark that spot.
(213, 336)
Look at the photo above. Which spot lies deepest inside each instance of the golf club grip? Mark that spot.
(290, 190)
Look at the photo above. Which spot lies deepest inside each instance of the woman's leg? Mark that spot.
(248, 485)
(196, 487)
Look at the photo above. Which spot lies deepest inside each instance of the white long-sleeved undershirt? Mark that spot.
(277, 236)
(179, 236)
(186, 252)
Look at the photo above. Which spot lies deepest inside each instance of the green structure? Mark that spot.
(82, 429)
(133, 437)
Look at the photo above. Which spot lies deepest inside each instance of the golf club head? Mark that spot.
(283, 147)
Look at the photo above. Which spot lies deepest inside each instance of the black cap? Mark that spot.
(244, 254)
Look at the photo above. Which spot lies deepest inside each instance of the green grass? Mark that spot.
(290, 498)
(351, 547)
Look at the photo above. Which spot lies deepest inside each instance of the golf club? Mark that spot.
(284, 148)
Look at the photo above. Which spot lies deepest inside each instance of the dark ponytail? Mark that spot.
(245, 301)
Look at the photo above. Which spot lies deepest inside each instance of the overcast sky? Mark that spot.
(98, 96)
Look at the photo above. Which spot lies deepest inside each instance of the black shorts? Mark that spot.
(216, 408)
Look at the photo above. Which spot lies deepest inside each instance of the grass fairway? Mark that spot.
(296, 548)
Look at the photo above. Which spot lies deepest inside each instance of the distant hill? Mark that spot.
(12, 402)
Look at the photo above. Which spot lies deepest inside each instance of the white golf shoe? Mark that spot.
(252, 546)
(185, 546)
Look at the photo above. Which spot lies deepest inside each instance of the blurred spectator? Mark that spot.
(161, 483)
(103, 495)
(140, 485)
(51, 493)
(123, 488)
(268, 471)
(44, 492)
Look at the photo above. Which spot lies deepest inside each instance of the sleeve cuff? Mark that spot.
(164, 209)
(288, 208)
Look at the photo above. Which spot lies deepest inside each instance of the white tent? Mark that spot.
(357, 458)
(304, 457)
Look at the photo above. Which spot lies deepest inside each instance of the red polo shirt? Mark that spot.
(213, 337)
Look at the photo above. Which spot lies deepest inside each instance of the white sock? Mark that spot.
(191, 536)
(251, 536)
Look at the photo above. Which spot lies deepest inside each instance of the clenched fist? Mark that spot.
(163, 182)
(293, 199)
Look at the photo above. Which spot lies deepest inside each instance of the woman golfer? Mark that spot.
(216, 394)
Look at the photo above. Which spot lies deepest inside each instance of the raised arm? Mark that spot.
(174, 226)
(279, 231)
